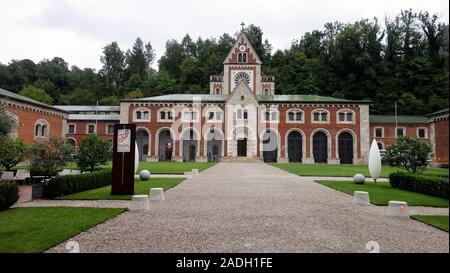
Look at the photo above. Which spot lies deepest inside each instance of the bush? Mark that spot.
(431, 185)
(49, 157)
(93, 152)
(12, 152)
(409, 153)
(9, 194)
(68, 184)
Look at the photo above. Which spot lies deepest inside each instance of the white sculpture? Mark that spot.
(359, 178)
(374, 161)
(144, 175)
(136, 157)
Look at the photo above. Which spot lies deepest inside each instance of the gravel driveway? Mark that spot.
(254, 207)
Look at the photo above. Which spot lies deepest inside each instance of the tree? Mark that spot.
(12, 152)
(6, 122)
(135, 94)
(93, 151)
(112, 72)
(110, 100)
(140, 58)
(36, 94)
(79, 97)
(47, 158)
(409, 153)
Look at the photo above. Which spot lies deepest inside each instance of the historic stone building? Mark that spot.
(243, 117)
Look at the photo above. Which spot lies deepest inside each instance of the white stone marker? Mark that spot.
(194, 171)
(156, 194)
(398, 209)
(139, 202)
(361, 198)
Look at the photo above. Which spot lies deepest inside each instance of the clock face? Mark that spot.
(242, 48)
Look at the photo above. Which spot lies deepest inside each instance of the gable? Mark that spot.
(252, 56)
(242, 89)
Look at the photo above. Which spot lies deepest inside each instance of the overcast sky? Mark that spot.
(78, 30)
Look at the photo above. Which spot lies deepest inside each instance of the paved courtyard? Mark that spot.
(254, 207)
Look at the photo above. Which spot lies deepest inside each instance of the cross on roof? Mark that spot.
(242, 26)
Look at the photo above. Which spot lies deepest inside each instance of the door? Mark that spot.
(320, 147)
(270, 147)
(242, 147)
(142, 143)
(345, 142)
(295, 147)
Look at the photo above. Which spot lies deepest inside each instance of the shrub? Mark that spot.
(9, 194)
(409, 153)
(12, 152)
(431, 185)
(68, 184)
(49, 157)
(93, 151)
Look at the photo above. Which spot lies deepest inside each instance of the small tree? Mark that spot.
(11, 152)
(6, 122)
(93, 151)
(49, 157)
(409, 153)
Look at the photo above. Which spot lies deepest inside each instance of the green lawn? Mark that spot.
(161, 167)
(140, 187)
(381, 193)
(173, 167)
(437, 221)
(342, 170)
(37, 229)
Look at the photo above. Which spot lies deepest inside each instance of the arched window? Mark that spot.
(166, 115)
(217, 91)
(345, 116)
(320, 116)
(141, 114)
(190, 115)
(244, 57)
(295, 116)
(214, 115)
(270, 115)
(41, 129)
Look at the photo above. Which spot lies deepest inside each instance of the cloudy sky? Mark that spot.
(78, 29)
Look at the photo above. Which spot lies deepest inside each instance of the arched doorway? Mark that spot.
(345, 142)
(165, 145)
(142, 144)
(270, 146)
(214, 145)
(320, 147)
(295, 146)
(189, 145)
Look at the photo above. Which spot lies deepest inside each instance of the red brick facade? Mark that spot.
(27, 117)
(81, 130)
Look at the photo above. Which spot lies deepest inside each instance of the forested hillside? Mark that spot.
(403, 59)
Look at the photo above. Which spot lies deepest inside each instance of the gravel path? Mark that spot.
(257, 208)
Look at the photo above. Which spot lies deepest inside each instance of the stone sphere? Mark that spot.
(359, 178)
(144, 175)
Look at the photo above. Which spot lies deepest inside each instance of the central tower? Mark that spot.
(242, 64)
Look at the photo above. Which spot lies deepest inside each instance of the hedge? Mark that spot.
(431, 185)
(68, 184)
(9, 194)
